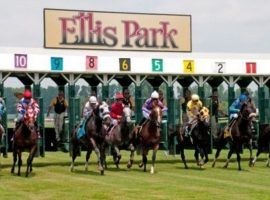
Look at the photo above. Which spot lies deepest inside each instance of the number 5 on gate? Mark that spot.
(189, 66)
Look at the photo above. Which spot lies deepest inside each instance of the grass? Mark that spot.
(51, 179)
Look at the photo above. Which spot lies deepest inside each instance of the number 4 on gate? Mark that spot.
(189, 66)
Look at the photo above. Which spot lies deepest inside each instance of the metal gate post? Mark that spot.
(41, 141)
(4, 122)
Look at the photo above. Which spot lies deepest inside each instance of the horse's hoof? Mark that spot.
(152, 170)
(141, 165)
(239, 169)
(186, 167)
(71, 169)
(225, 166)
(129, 165)
(102, 172)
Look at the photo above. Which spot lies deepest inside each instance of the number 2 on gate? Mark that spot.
(189, 66)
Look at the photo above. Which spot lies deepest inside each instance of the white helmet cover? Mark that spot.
(93, 99)
(155, 95)
(195, 97)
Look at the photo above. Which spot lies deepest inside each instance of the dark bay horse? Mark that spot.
(263, 144)
(150, 137)
(119, 137)
(89, 141)
(25, 137)
(241, 133)
(199, 138)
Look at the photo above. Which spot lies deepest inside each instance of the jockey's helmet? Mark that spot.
(119, 96)
(243, 98)
(195, 97)
(154, 95)
(93, 100)
(27, 94)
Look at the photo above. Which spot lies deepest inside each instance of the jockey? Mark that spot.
(116, 110)
(128, 100)
(235, 108)
(149, 105)
(2, 111)
(90, 107)
(25, 102)
(193, 108)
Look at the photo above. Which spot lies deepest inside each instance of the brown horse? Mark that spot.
(263, 144)
(25, 137)
(89, 141)
(241, 133)
(119, 137)
(150, 137)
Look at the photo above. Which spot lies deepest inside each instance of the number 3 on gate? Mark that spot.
(189, 66)
(124, 64)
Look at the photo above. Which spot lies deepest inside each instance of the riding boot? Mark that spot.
(187, 130)
(139, 127)
(110, 128)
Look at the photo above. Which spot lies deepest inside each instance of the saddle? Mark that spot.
(228, 129)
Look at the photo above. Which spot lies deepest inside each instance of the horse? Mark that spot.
(150, 136)
(199, 138)
(25, 137)
(89, 141)
(263, 144)
(119, 137)
(241, 133)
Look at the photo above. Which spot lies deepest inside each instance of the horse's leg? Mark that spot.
(250, 152)
(182, 153)
(196, 154)
(144, 158)
(20, 161)
(268, 161)
(14, 159)
(131, 158)
(117, 156)
(100, 167)
(228, 157)
(155, 149)
(74, 148)
(259, 150)
(30, 159)
(238, 157)
(103, 155)
(219, 148)
(88, 153)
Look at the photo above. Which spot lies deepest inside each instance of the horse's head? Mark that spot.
(104, 113)
(156, 115)
(127, 114)
(247, 114)
(204, 115)
(29, 118)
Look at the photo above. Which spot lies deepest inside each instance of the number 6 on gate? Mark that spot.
(124, 64)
